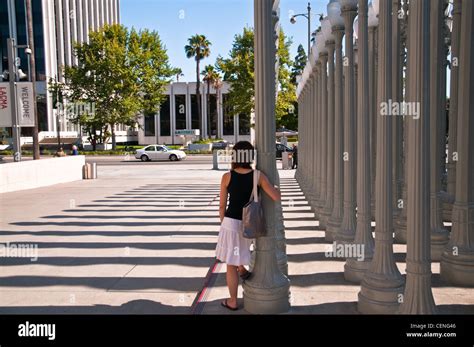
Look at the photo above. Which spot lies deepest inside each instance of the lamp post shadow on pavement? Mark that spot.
(267, 291)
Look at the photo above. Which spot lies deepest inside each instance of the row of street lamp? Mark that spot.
(345, 139)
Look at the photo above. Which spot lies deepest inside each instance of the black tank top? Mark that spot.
(239, 189)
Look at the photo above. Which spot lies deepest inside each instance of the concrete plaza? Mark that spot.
(141, 239)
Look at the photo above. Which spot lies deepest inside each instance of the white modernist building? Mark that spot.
(58, 24)
(179, 111)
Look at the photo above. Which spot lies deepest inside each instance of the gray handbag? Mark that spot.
(253, 221)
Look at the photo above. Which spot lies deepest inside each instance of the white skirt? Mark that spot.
(232, 248)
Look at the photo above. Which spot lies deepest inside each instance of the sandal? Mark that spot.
(224, 304)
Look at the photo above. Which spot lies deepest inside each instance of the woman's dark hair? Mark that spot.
(242, 155)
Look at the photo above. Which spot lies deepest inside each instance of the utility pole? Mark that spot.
(31, 44)
(12, 76)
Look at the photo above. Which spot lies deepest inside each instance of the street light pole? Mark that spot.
(306, 15)
(31, 44)
(12, 80)
(267, 291)
(309, 28)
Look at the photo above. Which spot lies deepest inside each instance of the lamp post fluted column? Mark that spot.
(457, 262)
(418, 298)
(267, 291)
(334, 222)
(346, 232)
(330, 44)
(315, 138)
(323, 57)
(453, 100)
(439, 234)
(355, 269)
(383, 283)
(373, 110)
(400, 223)
(302, 162)
(373, 23)
(396, 98)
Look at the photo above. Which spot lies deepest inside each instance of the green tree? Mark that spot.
(198, 47)
(286, 100)
(299, 64)
(238, 69)
(122, 73)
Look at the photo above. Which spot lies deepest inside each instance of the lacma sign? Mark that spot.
(24, 97)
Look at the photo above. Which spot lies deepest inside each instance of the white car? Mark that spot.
(159, 152)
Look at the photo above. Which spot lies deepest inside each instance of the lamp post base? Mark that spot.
(439, 241)
(354, 270)
(457, 268)
(380, 294)
(268, 290)
(400, 227)
(333, 226)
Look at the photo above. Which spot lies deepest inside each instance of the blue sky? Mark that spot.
(219, 20)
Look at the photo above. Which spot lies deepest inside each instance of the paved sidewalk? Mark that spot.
(317, 282)
(141, 239)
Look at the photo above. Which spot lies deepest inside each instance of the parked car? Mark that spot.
(280, 148)
(159, 152)
(220, 145)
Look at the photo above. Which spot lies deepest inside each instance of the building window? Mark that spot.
(149, 124)
(195, 119)
(42, 113)
(39, 40)
(180, 106)
(4, 34)
(165, 125)
(228, 116)
(244, 124)
(212, 115)
(21, 32)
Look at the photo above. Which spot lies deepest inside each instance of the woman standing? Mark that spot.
(236, 188)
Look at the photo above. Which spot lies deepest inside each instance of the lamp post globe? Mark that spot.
(348, 3)
(356, 29)
(376, 6)
(334, 14)
(314, 54)
(373, 20)
(326, 29)
(320, 42)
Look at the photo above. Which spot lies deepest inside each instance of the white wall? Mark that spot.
(40, 173)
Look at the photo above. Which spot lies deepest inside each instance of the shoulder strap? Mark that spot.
(256, 176)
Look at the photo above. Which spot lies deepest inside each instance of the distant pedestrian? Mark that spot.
(236, 187)
(295, 156)
(75, 151)
(60, 153)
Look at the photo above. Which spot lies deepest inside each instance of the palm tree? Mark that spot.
(178, 73)
(217, 84)
(198, 48)
(210, 75)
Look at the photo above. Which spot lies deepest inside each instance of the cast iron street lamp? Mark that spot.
(308, 17)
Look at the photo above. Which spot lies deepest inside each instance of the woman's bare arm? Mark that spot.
(272, 192)
(223, 195)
